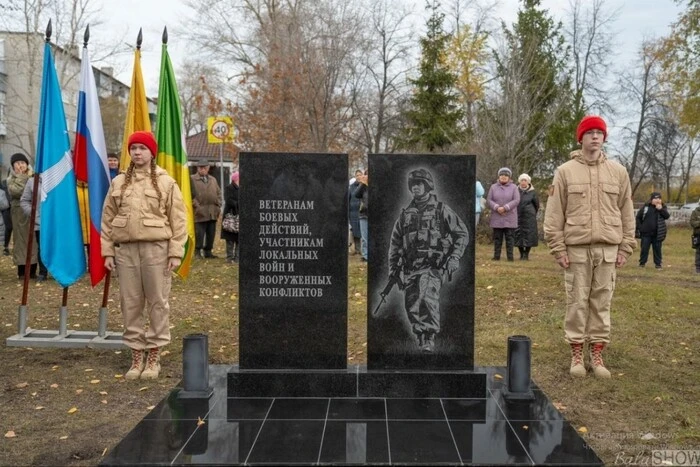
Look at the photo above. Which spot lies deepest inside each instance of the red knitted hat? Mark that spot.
(146, 138)
(591, 122)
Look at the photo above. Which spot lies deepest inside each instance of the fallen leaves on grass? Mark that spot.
(10, 434)
(54, 386)
(583, 430)
(143, 388)
(104, 401)
(63, 437)
(72, 410)
(103, 393)
(39, 407)
(118, 376)
(94, 381)
(21, 385)
(150, 407)
(559, 406)
(87, 370)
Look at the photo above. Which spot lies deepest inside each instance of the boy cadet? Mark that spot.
(589, 227)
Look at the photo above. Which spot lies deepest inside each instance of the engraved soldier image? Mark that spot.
(427, 242)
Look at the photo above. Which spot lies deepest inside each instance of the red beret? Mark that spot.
(591, 122)
(146, 138)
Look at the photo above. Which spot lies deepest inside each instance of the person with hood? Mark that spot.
(21, 173)
(651, 228)
(503, 200)
(231, 207)
(479, 195)
(589, 228)
(526, 235)
(144, 229)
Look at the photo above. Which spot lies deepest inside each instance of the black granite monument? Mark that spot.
(421, 264)
(293, 266)
(293, 399)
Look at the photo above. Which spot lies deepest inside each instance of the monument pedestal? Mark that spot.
(356, 381)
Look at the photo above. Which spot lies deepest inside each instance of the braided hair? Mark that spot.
(129, 174)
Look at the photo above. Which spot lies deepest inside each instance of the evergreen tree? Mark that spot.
(433, 116)
(538, 117)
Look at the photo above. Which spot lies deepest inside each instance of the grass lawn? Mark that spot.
(651, 402)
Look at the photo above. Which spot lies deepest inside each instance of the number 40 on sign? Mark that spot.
(220, 130)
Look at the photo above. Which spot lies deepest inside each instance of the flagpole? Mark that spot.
(30, 234)
(102, 318)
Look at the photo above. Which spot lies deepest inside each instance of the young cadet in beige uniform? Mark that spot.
(589, 227)
(144, 232)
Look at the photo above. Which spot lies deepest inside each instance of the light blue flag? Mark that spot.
(62, 249)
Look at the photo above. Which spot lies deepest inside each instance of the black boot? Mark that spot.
(527, 253)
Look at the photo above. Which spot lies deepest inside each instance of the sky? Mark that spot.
(637, 20)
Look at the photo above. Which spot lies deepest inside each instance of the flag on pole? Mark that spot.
(137, 118)
(61, 239)
(91, 160)
(172, 155)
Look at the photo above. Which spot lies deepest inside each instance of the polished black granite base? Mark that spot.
(356, 381)
(322, 430)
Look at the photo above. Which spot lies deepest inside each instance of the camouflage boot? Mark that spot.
(595, 350)
(421, 340)
(429, 344)
(152, 364)
(577, 368)
(138, 363)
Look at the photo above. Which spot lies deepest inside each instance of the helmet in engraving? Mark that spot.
(421, 175)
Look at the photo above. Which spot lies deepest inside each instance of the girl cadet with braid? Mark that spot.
(143, 236)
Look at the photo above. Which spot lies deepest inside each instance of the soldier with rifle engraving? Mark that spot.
(427, 243)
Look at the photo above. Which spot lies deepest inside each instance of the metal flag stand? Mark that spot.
(62, 337)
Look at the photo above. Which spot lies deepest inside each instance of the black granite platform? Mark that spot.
(353, 430)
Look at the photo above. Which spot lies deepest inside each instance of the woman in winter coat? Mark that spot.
(526, 235)
(231, 206)
(503, 200)
(21, 172)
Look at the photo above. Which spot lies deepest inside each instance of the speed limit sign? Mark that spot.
(220, 130)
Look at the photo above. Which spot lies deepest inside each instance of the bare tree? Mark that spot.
(641, 86)
(381, 77)
(28, 19)
(295, 60)
(193, 77)
(591, 34)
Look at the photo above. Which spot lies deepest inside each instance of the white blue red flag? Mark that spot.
(91, 160)
(61, 239)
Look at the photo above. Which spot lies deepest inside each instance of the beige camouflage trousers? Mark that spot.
(144, 287)
(590, 283)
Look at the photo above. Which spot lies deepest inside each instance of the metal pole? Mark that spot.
(221, 173)
(102, 318)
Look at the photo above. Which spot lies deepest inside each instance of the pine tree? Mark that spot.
(433, 117)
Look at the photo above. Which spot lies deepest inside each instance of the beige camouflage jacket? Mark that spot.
(140, 216)
(590, 203)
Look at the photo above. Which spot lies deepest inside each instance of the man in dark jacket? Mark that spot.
(651, 228)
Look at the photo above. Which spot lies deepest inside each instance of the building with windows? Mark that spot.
(21, 63)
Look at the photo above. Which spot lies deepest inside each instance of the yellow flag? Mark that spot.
(137, 118)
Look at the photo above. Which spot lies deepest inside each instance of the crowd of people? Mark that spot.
(589, 227)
